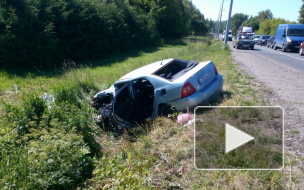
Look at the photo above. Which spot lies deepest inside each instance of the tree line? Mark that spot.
(44, 33)
(262, 23)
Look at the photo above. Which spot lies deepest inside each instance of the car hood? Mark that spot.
(146, 70)
(296, 38)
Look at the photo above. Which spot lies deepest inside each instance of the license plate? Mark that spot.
(204, 78)
(297, 46)
(245, 45)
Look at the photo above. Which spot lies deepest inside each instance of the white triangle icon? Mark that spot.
(235, 138)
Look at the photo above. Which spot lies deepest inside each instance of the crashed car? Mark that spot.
(155, 88)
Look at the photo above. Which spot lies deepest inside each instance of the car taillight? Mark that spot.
(187, 90)
(215, 69)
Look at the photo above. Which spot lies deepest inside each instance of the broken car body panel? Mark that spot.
(139, 94)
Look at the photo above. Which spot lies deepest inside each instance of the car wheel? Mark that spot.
(283, 48)
(275, 47)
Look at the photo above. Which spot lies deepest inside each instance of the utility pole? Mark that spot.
(228, 22)
(219, 26)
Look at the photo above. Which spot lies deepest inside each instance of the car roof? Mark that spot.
(146, 70)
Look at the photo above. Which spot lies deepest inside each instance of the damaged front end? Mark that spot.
(126, 104)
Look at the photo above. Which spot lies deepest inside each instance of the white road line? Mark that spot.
(275, 51)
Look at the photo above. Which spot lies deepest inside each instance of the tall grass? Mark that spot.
(61, 147)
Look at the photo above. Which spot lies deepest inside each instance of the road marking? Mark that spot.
(275, 51)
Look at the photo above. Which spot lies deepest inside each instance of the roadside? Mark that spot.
(283, 86)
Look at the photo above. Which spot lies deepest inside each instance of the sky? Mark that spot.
(286, 9)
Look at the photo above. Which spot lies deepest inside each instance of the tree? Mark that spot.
(301, 16)
(269, 26)
(237, 21)
(252, 22)
(263, 15)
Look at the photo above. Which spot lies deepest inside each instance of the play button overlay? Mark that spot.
(238, 138)
(235, 138)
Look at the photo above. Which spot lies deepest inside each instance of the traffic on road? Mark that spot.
(286, 46)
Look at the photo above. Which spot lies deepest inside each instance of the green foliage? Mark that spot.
(270, 26)
(252, 22)
(43, 33)
(48, 147)
(263, 15)
(236, 21)
(126, 170)
(301, 16)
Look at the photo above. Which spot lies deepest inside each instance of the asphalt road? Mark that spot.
(290, 59)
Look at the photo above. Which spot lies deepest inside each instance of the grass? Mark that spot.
(159, 153)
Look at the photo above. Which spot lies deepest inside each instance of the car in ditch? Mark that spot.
(156, 88)
(243, 41)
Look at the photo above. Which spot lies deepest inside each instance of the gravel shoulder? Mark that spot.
(282, 86)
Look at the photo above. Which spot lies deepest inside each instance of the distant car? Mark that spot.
(255, 38)
(301, 51)
(263, 40)
(243, 41)
(156, 88)
(270, 42)
(229, 36)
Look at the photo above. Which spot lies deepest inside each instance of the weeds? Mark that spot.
(60, 147)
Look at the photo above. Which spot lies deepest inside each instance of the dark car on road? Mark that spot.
(255, 38)
(263, 40)
(243, 41)
(270, 42)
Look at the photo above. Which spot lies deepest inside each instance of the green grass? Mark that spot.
(157, 154)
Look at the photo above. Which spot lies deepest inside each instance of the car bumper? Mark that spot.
(245, 46)
(293, 47)
(200, 97)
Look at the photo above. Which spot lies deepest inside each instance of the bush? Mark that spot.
(48, 147)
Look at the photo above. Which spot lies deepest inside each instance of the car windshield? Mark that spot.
(265, 37)
(296, 32)
(256, 36)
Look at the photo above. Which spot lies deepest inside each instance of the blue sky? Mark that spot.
(286, 9)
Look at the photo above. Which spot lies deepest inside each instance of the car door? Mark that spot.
(133, 102)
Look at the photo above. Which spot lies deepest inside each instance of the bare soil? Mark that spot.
(281, 86)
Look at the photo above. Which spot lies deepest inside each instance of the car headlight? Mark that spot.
(288, 40)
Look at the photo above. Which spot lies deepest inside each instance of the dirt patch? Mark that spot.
(282, 86)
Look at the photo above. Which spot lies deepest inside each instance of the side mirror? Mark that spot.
(284, 35)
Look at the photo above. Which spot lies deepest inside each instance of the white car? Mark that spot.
(156, 88)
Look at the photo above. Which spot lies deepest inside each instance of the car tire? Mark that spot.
(275, 47)
(283, 48)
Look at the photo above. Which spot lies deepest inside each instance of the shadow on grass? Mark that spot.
(104, 60)
(223, 96)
